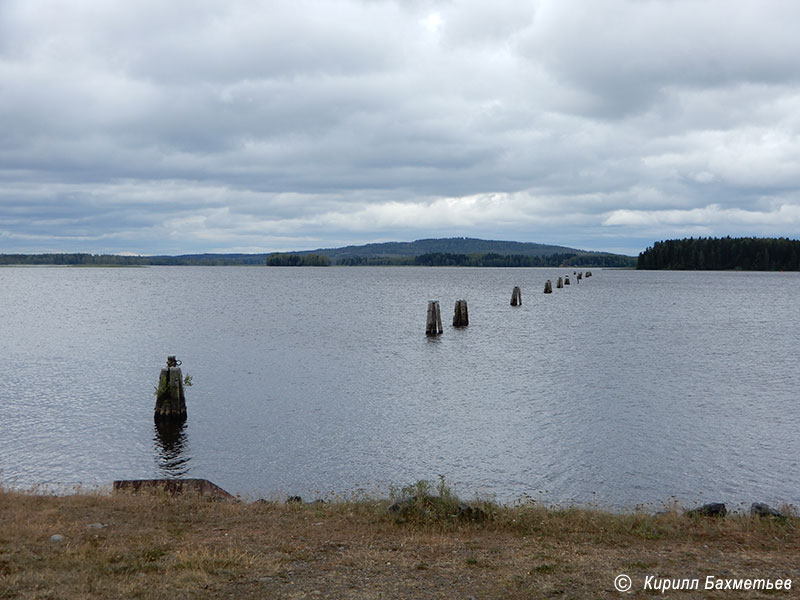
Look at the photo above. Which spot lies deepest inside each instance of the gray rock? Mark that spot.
(97, 526)
(56, 538)
(759, 509)
(713, 509)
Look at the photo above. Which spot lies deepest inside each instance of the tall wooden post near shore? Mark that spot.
(461, 315)
(433, 324)
(548, 287)
(560, 283)
(516, 296)
(170, 400)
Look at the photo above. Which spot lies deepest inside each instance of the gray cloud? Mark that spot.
(250, 126)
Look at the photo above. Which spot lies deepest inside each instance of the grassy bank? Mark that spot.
(153, 546)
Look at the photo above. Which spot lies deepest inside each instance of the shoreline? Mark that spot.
(389, 492)
(157, 546)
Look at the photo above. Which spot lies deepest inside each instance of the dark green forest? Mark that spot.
(297, 260)
(723, 254)
(114, 260)
(491, 259)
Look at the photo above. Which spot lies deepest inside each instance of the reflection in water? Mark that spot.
(171, 447)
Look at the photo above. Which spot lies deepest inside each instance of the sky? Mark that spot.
(183, 126)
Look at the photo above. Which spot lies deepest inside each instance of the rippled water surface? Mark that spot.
(629, 388)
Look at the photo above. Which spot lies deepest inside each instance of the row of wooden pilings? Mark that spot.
(560, 283)
(433, 323)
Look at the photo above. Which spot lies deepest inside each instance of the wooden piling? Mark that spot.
(170, 399)
(548, 287)
(560, 283)
(433, 325)
(461, 315)
(588, 274)
(566, 279)
(516, 297)
(580, 276)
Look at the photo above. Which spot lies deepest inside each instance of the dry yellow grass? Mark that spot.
(153, 546)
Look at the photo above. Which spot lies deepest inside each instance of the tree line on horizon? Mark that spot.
(114, 260)
(722, 254)
(491, 259)
(430, 259)
(298, 260)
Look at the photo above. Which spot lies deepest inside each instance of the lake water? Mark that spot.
(628, 388)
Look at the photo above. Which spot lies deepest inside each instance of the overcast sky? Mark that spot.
(178, 126)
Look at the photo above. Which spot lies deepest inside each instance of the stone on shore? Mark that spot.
(759, 509)
(712, 509)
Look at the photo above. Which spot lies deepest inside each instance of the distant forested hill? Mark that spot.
(443, 246)
(746, 254)
(470, 252)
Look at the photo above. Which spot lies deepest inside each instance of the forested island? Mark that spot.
(723, 254)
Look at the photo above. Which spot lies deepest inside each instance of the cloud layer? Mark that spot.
(204, 125)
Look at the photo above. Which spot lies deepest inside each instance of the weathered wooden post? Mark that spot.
(588, 274)
(170, 401)
(433, 325)
(580, 276)
(516, 296)
(461, 315)
(548, 287)
(566, 279)
(560, 283)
